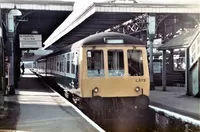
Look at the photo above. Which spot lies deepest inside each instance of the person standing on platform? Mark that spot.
(22, 66)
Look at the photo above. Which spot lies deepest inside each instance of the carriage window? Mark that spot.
(115, 63)
(95, 63)
(135, 63)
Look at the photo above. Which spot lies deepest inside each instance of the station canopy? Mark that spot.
(183, 40)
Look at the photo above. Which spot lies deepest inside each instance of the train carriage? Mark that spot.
(102, 68)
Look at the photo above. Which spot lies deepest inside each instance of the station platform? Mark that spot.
(176, 100)
(40, 109)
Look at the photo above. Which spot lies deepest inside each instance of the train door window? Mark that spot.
(72, 63)
(68, 63)
(77, 63)
(57, 66)
(54, 63)
(135, 63)
(63, 61)
(60, 65)
(115, 63)
(95, 63)
(51, 64)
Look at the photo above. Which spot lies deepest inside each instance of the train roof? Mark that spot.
(99, 39)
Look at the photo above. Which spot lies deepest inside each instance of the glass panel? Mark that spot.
(135, 63)
(65, 65)
(72, 64)
(115, 63)
(57, 66)
(60, 66)
(68, 63)
(95, 63)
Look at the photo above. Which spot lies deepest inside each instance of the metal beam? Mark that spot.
(164, 70)
(187, 79)
(37, 5)
(74, 19)
(147, 7)
(1, 67)
(131, 26)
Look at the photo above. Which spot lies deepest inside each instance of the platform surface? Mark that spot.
(176, 100)
(42, 110)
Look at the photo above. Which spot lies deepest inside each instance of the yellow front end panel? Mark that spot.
(114, 86)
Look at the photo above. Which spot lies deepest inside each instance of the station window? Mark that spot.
(115, 63)
(95, 63)
(135, 63)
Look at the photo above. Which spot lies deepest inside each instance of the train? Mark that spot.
(104, 69)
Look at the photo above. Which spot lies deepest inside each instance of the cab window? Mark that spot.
(115, 63)
(95, 63)
(135, 63)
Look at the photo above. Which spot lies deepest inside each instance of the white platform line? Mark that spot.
(77, 110)
(177, 116)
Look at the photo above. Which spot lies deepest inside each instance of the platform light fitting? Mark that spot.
(34, 32)
(15, 12)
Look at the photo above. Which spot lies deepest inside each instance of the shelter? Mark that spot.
(190, 41)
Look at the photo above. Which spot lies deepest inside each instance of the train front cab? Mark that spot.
(115, 72)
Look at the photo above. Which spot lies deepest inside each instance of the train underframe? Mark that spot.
(136, 104)
(115, 104)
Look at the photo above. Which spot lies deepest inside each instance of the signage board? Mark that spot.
(194, 51)
(30, 41)
(152, 24)
(156, 67)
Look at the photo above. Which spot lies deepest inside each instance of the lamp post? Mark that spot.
(151, 33)
(11, 34)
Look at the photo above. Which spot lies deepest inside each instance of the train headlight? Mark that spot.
(137, 89)
(96, 89)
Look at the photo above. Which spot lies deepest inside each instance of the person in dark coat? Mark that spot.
(22, 67)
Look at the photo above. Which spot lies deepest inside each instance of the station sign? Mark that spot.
(152, 24)
(29, 41)
(194, 51)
